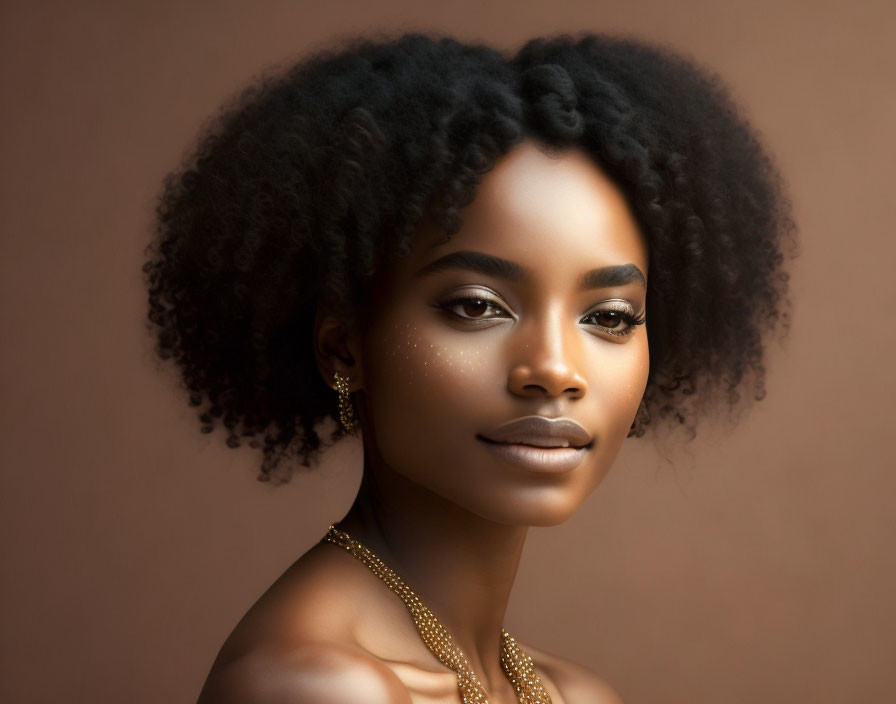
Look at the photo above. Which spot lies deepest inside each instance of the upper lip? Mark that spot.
(541, 431)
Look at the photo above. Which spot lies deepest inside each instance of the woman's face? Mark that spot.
(536, 318)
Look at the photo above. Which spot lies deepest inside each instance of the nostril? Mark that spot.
(548, 378)
(535, 387)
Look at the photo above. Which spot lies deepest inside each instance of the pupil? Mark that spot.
(609, 320)
(475, 306)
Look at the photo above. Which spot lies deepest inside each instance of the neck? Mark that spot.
(460, 565)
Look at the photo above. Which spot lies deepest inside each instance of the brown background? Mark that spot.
(757, 568)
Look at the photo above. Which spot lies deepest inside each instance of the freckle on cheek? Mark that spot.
(416, 356)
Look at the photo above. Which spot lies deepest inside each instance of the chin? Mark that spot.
(536, 507)
(502, 494)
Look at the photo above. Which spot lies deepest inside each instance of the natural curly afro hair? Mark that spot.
(318, 176)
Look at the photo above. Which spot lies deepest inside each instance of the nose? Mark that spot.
(548, 359)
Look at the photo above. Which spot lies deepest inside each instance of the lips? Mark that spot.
(539, 431)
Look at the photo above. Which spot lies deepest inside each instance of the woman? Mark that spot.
(454, 254)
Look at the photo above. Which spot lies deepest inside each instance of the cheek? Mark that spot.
(618, 383)
(423, 385)
(637, 371)
(416, 361)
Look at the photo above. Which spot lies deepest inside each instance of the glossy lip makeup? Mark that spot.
(540, 444)
(549, 460)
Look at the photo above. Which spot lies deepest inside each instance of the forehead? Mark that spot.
(554, 214)
(557, 216)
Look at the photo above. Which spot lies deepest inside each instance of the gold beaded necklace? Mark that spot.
(517, 666)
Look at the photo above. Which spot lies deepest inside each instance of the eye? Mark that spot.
(617, 319)
(474, 308)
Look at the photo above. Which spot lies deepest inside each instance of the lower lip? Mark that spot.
(550, 460)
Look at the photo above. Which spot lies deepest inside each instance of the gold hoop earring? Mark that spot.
(346, 412)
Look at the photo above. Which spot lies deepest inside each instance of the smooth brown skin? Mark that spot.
(444, 513)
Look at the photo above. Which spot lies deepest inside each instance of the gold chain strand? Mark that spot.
(517, 666)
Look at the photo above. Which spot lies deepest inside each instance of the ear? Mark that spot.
(337, 348)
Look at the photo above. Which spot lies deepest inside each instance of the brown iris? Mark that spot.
(607, 318)
(474, 307)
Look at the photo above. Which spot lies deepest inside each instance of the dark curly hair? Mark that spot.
(319, 175)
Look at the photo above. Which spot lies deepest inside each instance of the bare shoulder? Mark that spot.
(575, 682)
(296, 644)
(323, 673)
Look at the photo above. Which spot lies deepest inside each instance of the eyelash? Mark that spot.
(630, 320)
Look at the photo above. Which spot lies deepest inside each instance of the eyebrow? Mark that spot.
(604, 277)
